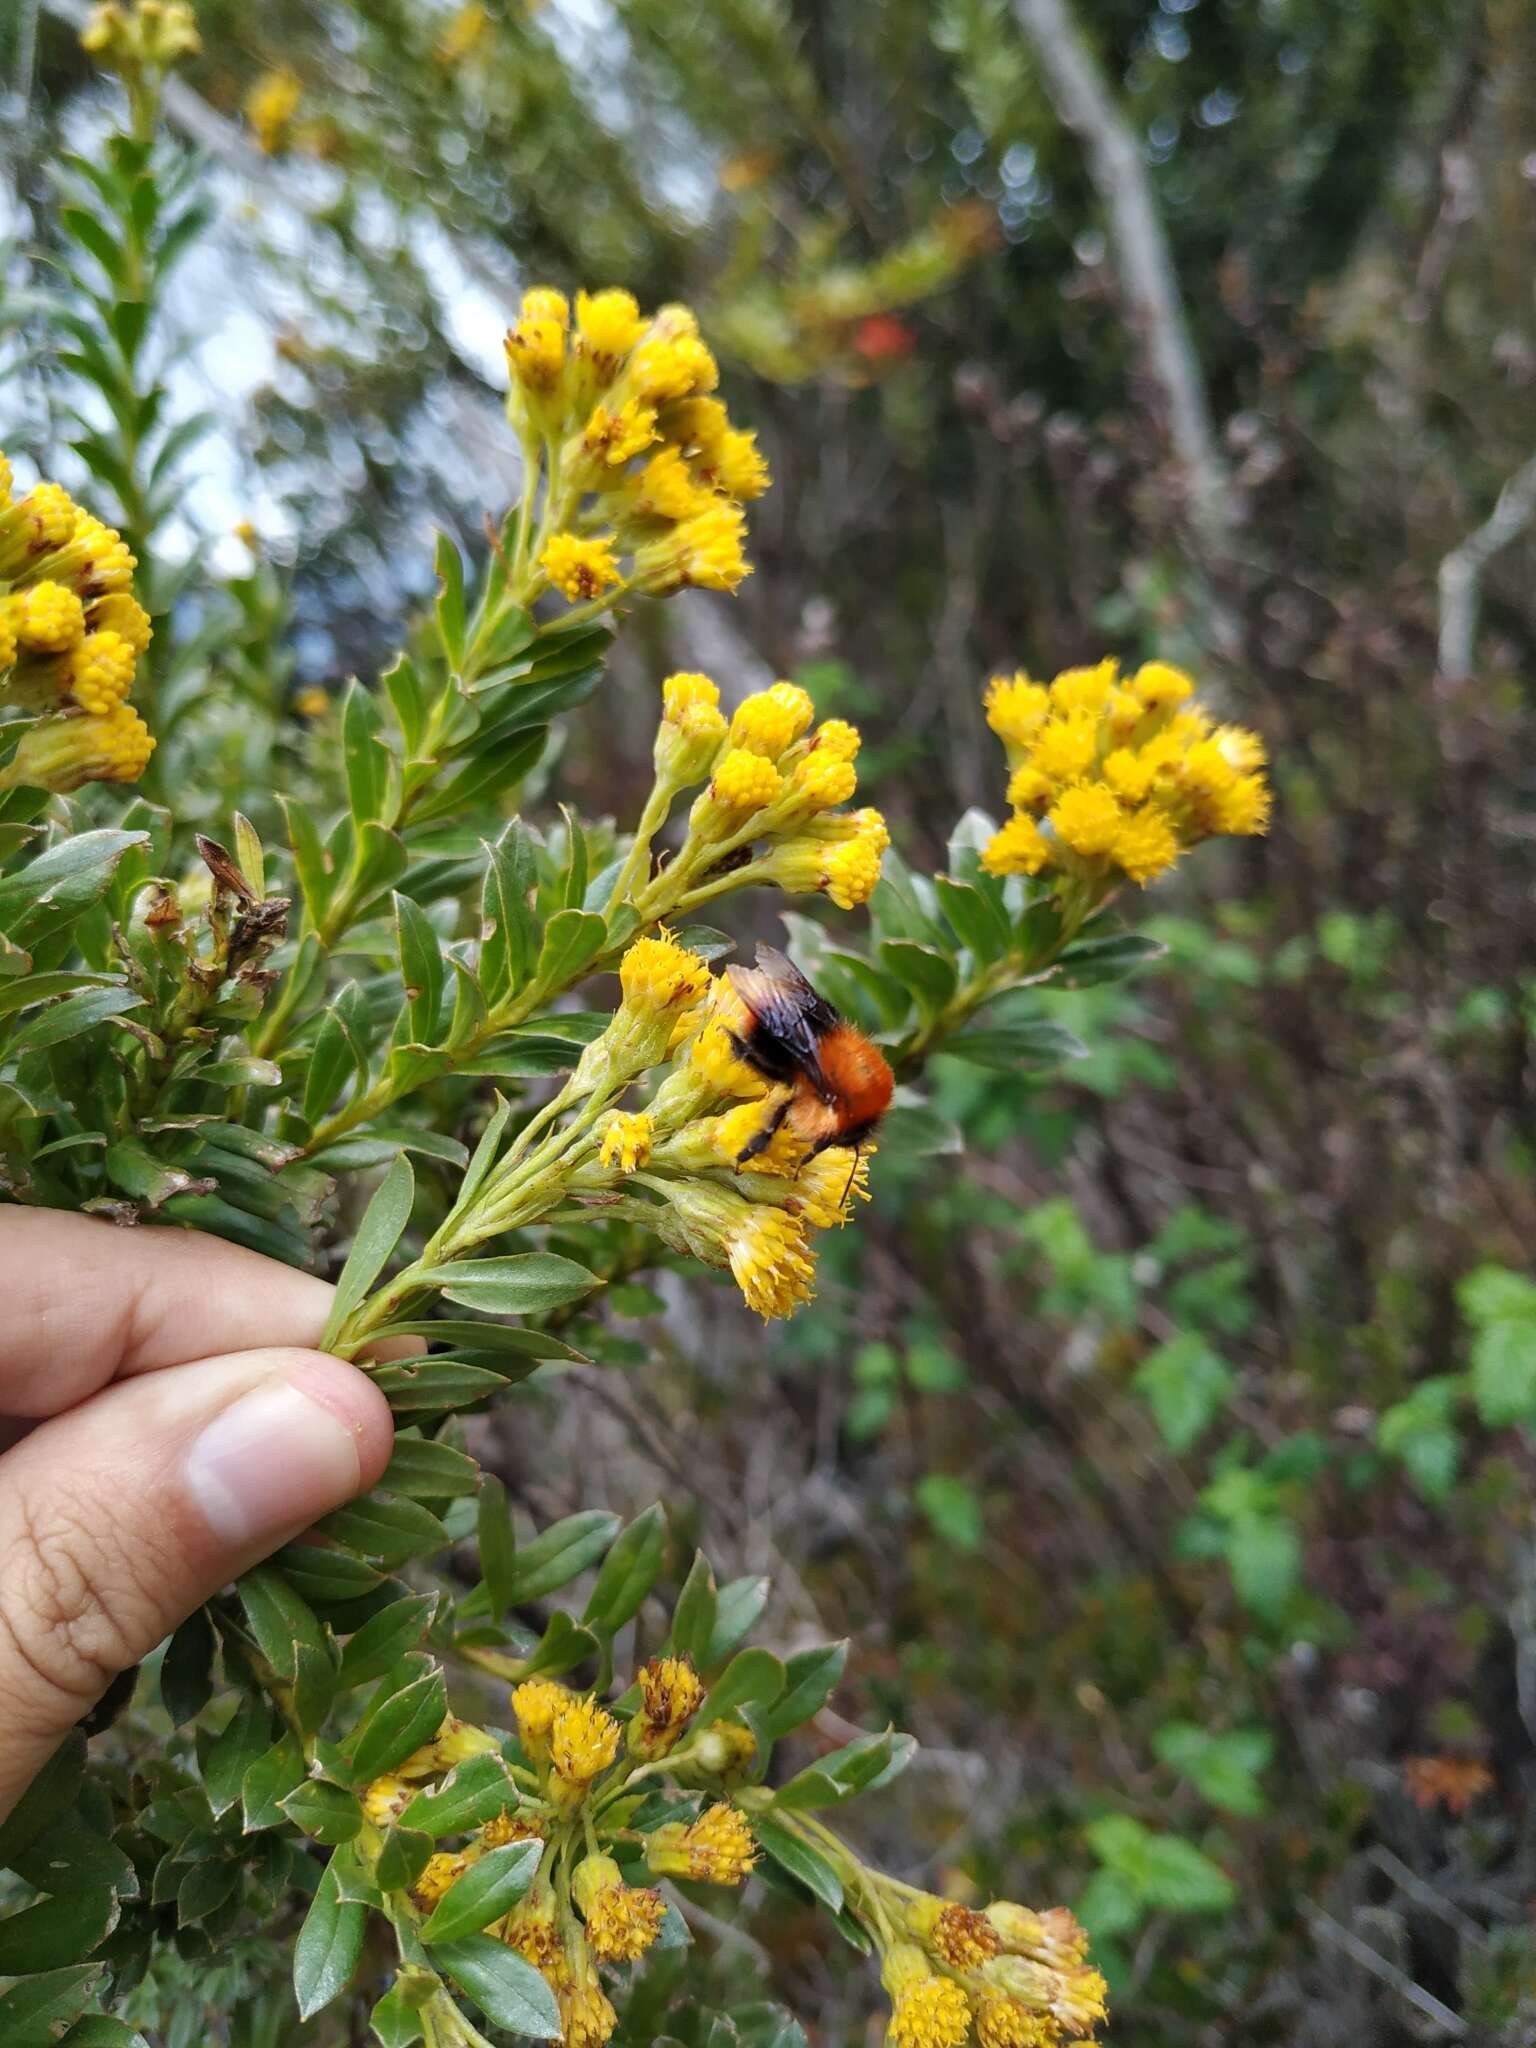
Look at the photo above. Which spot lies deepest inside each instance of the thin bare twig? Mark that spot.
(1326, 1928)
(1145, 266)
(1461, 571)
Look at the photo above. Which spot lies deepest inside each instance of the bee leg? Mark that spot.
(765, 1137)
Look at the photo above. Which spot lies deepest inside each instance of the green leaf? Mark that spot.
(1163, 1871)
(206, 1887)
(186, 1669)
(509, 1991)
(737, 1607)
(572, 938)
(1264, 1557)
(364, 756)
(326, 1813)
(399, 1725)
(421, 969)
(71, 1858)
(31, 2010)
(96, 2030)
(329, 1946)
(402, 1859)
(1009, 1045)
(268, 1782)
(1089, 963)
(1493, 1294)
(979, 920)
(490, 1887)
(810, 1677)
(508, 929)
(752, 1678)
(450, 604)
(385, 1529)
(927, 973)
(1224, 1769)
(56, 1931)
(856, 1767)
(1504, 1370)
(50, 1795)
(952, 1508)
(802, 1862)
(246, 1736)
(497, 1540)
(379, 1232)
(422, 1470)
(1420, 1432)
(433, 1385)
(629, 1571)
(279, 1619)
(72, 1016)
(316, 882)
(476, 1792)
(564, 1549)
(68, 878)
(693, 1619)
(520, 1284)
(384, 1639)
(321, 1573)
(395, 2023)
(1186, 1385)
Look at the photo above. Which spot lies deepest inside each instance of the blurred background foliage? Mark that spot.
(1162, 1448)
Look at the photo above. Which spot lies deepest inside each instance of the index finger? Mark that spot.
(88, 1302)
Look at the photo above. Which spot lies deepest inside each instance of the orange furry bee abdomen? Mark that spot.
(840, 1084)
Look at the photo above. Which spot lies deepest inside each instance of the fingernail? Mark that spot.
(270, 1464)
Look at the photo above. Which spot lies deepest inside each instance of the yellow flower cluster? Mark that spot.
(150, 35)
(717, 1848)
(1022, 1978)
(687, 1146)
(772, 782)
(670, 1696)
(1117, 776)
(71, 633)
(270, 106)
(621, 1920)
(642, 462)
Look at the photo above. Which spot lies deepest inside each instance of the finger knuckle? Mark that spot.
(78, 1603)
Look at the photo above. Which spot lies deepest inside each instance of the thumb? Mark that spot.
(120, 1516)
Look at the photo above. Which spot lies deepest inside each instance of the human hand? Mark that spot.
(166, 1424)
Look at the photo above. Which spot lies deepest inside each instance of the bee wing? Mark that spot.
(786, 1008)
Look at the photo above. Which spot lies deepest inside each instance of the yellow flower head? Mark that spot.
(704, 552)
(714, 1058)
(532, 1928)
(465, 32)
(835, 736)
(535, 1704)
(587, 2019)
(666, 489)
(769, 1260)
(47, 619)
(100, 556)
(738, 466)
(608, 324)
(61, 754)
(386, 1798)
(1145, 844)
(578, 568)
(1087, 819)
(728, 1136)
(961, 1937)
(1064, 748)
(98, 674)
(118, 612)
(1029, 789)
(627, 1140)
(621, 1920)
(1054, 1937)
(1160, 687)
(313, 701)
(769, 721)
(670, 361)
(1016, 708)
(1243, 749)
(454, 1743)
(270, 106)
(583, 1740)
(850, 872)
(744, 783)
(1020, 848)
(828, 1186)
(670, 1696)
(6, 481)
(658, 974)
(688, 691)
(1001, 2022)
(1084, 689)
(612, 438)
(717, 1848)
(1129, 773)
(505, 1828)
(822, 780)
(437, 1875)
(535, 346)
(1244, 808)
(51, 515)
(927, 2011)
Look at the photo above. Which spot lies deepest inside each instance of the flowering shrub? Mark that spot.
(243, 1037)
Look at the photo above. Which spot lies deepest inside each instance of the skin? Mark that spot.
(165, 1423)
